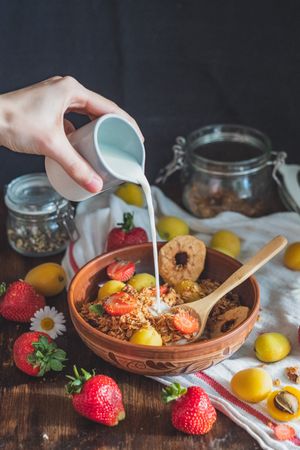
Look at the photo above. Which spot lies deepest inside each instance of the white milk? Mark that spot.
(127, 168)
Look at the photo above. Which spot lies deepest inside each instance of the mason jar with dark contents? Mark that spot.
(40, 221)
(226, 168)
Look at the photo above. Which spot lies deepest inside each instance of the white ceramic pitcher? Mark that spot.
(109, 135)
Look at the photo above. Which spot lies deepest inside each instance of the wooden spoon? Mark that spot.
(203, 306)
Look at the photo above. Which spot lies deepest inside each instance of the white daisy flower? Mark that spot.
(48, 320)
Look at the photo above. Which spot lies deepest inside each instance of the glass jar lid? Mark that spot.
(228, 149)
(32, 194)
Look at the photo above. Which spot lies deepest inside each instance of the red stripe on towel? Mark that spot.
(231, 398)
(72, 259)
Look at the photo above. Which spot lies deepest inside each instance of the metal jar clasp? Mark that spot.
(66, 217)
(176, 163)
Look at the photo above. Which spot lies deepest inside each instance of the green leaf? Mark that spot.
(43, 341)
(47, 356)
(43, 369)
(87, 375)
(31, 359)
(70, 377)
(56, 365)
(127, 224)
(51, 347)
(2, 288)
(60, 354)
(96, 309)
(75, 385)
(173, 392)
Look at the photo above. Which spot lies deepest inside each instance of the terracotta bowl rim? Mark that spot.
(165, 348)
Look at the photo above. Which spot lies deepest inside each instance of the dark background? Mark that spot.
(174, 65)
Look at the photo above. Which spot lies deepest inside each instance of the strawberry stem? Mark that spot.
(173, 392)
(2, 288)
(76, 384)
(127, 224)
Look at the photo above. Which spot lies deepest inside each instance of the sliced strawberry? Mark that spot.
(121, 270)
(163, 290)
(284, 432)
(119, 303)
(185, 322)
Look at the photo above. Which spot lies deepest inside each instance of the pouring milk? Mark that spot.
(114, 149)
(128, 169)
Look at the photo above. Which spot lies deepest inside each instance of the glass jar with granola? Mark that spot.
(226, 168)
(39, 220)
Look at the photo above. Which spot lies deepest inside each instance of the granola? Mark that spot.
(123, 326)
(293, 374)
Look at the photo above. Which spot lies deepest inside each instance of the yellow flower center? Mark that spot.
(47, 323)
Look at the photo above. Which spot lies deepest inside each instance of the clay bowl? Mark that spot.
(166, 360)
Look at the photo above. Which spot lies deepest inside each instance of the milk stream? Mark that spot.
(125, 167)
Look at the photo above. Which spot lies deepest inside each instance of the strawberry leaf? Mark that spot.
(173, 392)
(47, 356)
(60, 354)
(127, 224)
(96, 309)
(56, 365)
(2, 288)
(76, 384)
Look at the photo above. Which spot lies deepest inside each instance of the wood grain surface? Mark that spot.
(37, 414)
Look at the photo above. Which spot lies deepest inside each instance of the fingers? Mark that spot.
(87, 102)
(76, 166)
(97, 105)
(68, 126)
(51, 79)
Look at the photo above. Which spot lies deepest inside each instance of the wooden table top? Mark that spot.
(37, 414)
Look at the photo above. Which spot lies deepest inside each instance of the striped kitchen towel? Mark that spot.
(280, 296)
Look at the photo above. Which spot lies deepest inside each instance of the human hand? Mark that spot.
(32, 121)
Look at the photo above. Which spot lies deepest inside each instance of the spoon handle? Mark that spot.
(252, 265)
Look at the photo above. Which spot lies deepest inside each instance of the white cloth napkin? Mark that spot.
(280, 296)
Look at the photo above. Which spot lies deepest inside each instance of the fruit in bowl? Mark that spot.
(153, 359)
(133, 307)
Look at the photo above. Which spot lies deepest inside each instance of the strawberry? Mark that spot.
(115, 239)
(35, 353)
(121, 270)
(20, 302)
(192, 411)
(119, 303)
(136, 236)
(96, 397)
(283, 432)
(125, 234)
(163, 289)
(185, 323)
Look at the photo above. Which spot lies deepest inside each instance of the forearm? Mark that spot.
(5, 120)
